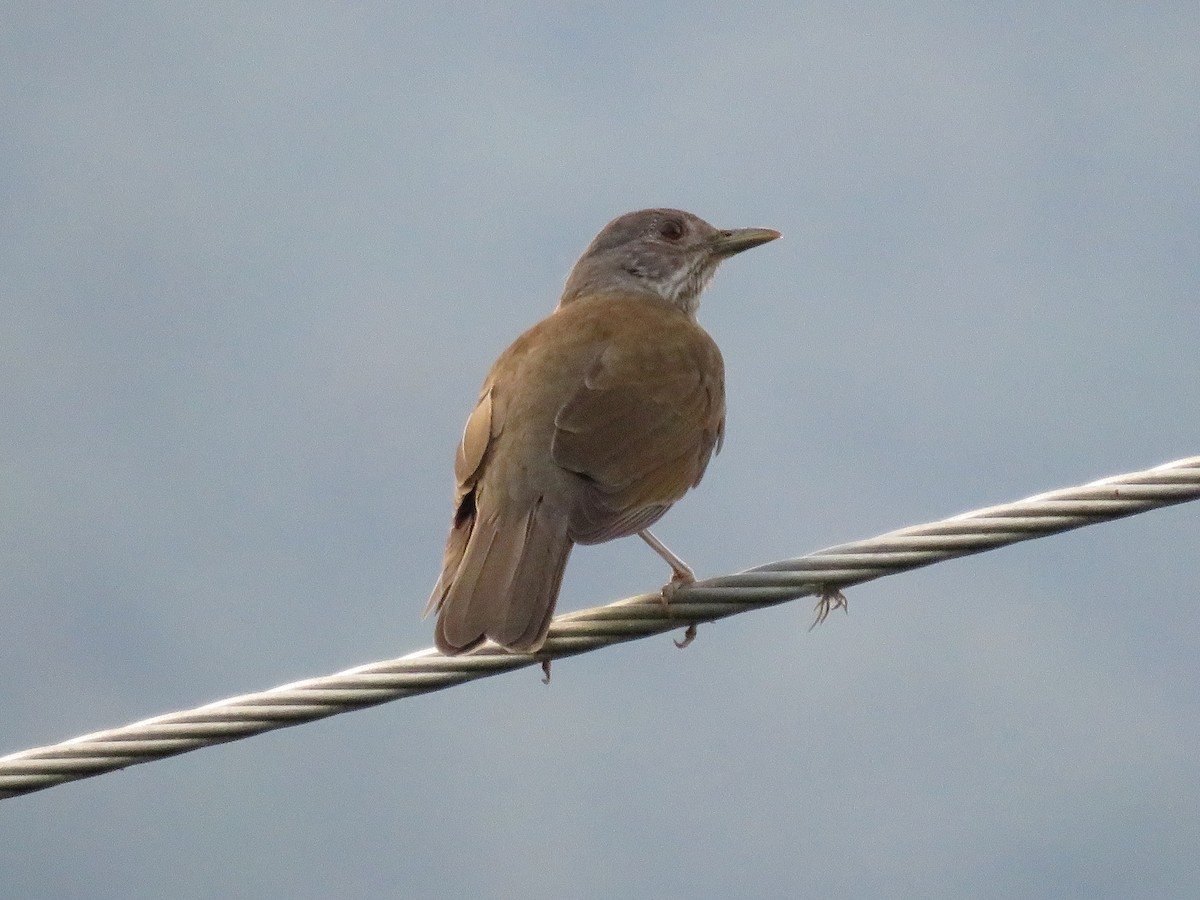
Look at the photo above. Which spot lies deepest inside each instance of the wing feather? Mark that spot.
(642, 427)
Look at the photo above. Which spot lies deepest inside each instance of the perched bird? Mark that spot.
(588, 427)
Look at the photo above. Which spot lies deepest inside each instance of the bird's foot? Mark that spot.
(681, 576)
(546, 670)
(671, 588)
(831, 599)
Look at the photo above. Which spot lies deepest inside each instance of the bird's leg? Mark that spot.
(546, 670)
(681, 574)
(831, 599)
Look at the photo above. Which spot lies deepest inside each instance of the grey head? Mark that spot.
(668, 254)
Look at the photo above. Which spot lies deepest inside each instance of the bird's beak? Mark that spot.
(735, 240)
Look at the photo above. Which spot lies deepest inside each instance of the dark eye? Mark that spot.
(671, 229)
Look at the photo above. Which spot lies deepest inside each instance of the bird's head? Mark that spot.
(668, 254)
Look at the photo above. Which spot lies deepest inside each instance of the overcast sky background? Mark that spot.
(255, 261)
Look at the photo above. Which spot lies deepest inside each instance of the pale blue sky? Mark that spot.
(256, 261)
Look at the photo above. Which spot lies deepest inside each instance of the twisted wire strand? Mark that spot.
(426, 670)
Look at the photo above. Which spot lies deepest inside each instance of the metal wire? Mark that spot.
(625, 620)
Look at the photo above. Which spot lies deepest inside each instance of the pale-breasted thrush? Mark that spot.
(588, 427)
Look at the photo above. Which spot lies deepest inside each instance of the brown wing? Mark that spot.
(643, 425)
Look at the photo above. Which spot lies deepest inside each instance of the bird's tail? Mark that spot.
(500, 579)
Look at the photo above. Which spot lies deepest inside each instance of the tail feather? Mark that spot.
(456, 546)
(536, 583)
(504, 583)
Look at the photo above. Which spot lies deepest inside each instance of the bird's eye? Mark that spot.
(671, 229)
